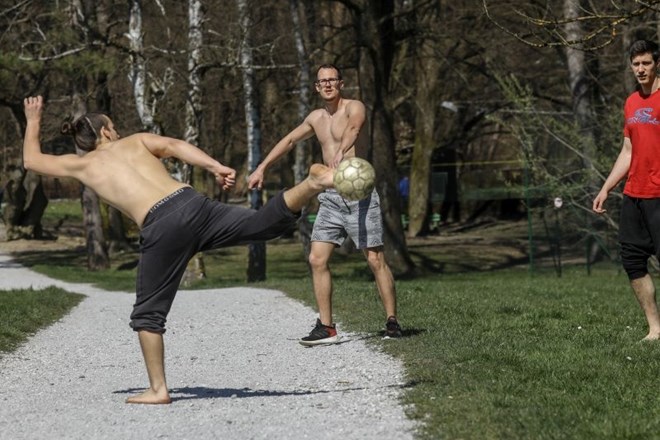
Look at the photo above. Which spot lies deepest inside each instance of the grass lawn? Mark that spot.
(23, 312)
(489, 354)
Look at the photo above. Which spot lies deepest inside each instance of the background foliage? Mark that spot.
(485, 94)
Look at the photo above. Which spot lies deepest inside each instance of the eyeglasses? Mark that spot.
(327, 81)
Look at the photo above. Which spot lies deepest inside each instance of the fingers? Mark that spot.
(598, 206)
(255, 181)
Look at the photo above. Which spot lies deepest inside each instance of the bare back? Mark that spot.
(127, 175)
(329, 129)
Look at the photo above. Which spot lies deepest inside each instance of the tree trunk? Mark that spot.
(196, 269)
(97, 250)
(304, 106)
(256, 270)
(25, 203)
(427, 67)
(147, 96)
(117, 240)
(581, 91)
(376, 34)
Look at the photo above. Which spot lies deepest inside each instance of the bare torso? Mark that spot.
(329, 128)
(126, 175)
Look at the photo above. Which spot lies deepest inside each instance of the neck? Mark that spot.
(647, 90)
(332, 106)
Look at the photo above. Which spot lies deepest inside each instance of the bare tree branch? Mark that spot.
(542, 31)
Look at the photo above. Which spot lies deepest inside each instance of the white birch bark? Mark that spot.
(147, 94)
(196, 268)
(194, 101)
(302, 155)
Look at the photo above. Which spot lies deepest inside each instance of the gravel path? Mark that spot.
(233, 364)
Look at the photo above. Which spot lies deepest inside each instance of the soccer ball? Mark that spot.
(354, 178)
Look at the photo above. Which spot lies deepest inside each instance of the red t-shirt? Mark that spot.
(642, 126)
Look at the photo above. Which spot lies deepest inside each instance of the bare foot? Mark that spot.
(651, 337)
(320, 176)
(150, 397)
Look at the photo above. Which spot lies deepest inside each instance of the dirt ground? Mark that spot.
(59, 243)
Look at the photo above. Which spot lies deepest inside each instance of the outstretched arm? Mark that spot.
(618, 173)
(66, 165)
(164, 147)
(301, 132)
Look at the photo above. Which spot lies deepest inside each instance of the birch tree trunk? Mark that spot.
(302, 161)
(147, 96)
(256, 270)
(196, 269)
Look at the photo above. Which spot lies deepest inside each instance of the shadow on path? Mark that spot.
(189, 393)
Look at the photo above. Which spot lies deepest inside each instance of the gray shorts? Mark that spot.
(337, 218)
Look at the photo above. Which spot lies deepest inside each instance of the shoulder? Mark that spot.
(354, 110)
(314, 118)
(632, 100)
(144, 139)
(354, 105)
(315, 114)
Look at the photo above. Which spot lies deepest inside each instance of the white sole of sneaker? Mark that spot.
(326, 341)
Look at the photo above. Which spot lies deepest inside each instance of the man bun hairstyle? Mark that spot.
(86, 130)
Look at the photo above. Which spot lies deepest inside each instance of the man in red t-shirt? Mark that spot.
(639, 160)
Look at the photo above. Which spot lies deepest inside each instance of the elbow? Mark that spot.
(27, 163)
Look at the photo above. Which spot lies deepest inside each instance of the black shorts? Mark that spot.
(183, 224)
(639, 234)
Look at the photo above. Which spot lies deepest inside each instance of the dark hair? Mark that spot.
(640, 47)
(86, 130)
(329, 66)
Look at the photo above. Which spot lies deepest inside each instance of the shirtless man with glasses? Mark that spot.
(338, 126)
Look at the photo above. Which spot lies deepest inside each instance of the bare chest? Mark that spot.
(329, 128)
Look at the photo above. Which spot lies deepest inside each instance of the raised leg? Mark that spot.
(319, 179)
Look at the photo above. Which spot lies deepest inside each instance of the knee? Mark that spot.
(635, 269)
(634, 261)
(376, 261)
(317, 262)
(151, 323)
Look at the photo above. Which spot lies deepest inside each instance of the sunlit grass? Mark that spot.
(489, 354)
(23, 312)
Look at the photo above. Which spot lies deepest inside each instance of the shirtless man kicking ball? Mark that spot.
(175, 221)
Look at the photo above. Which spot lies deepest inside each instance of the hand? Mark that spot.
(256, 179)
(226, 177)
(33, 106)
(337, 159)
(599, 201)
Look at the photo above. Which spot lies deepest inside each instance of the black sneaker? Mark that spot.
(322, 334)
(392, 328)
